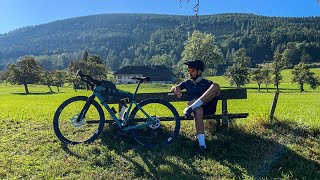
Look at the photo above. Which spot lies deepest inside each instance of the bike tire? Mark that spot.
(70, 131)
(151, 136)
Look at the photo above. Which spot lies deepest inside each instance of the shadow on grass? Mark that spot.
(239, 153)
(287, 127)
(39, 93)
(66, 148)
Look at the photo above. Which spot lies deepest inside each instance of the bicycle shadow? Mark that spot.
(241, 152)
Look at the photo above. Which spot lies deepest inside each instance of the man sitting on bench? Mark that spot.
(201, 94)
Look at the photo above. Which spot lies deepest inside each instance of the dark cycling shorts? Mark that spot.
(210, 107)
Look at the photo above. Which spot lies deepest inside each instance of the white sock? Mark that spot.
(201, 140)
(196, 104)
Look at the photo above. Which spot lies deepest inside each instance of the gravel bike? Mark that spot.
(81, 119)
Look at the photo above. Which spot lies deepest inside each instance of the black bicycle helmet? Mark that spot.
(195, 64)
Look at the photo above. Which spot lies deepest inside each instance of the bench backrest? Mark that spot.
(224, 95)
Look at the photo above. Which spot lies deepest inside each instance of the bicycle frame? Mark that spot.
(120, 123)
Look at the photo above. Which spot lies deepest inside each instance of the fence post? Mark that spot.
(225, 119)
(273, 107)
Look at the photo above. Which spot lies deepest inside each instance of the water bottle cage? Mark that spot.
(124, 121)
(123, 111)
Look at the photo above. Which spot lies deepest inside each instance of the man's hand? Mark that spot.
(187, 112)
(176, 90)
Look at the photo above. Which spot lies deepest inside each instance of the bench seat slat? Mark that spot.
(215, 116)
(219, 116)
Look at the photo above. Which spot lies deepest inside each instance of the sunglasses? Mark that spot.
(191, 70)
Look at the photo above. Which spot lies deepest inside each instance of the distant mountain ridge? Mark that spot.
(135, 38)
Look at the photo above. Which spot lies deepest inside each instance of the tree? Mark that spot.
(71, 80)
(58, 78)
(47, 79)
(305, 57)
(4, 74)
(85, 56)
(266, 73)
(291, 55)
(164, 59)
(113, 61)
(93, 67)
(258, 76)
(238, 73)
(277, 66)
(125, 62)
(25, 71)
(202, 46)
(95, 58)
(302, 75)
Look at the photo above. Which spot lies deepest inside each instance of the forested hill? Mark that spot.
(135, 39)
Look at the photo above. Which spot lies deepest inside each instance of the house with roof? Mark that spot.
(157, 74)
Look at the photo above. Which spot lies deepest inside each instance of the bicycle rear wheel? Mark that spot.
(72, 129)
(165, 128)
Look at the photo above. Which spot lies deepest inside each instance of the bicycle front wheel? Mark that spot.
(70, 128)
(165, 127)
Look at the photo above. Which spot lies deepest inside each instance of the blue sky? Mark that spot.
(20, 13)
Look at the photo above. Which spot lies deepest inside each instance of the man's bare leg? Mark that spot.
(207, 96)
(199, 125)
(198, 118)
(213, 91)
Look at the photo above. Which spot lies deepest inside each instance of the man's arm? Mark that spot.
(176, 90)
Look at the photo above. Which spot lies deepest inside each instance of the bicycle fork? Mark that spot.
(85, 108)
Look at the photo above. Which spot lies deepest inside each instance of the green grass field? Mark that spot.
(252, 148)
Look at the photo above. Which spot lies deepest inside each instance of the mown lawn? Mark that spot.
(252, 148)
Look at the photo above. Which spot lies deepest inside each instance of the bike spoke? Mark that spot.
(158, 132)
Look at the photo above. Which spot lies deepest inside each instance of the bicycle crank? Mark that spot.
(156, 123)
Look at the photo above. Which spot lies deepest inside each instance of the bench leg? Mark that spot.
(225, 119)
(218, 124)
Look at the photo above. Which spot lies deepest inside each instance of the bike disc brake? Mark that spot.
(75, 122)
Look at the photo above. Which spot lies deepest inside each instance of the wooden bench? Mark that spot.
(225, 95)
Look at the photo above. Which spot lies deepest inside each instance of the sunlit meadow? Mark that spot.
(251, 148)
